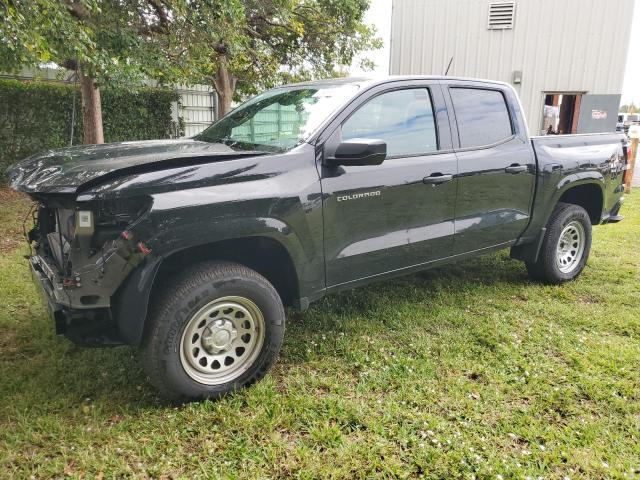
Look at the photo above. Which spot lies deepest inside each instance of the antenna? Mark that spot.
(448, 67)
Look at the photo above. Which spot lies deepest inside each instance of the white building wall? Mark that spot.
(197, 107)
(558, 45)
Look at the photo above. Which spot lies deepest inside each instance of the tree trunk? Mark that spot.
(225, 85)
(91, 111)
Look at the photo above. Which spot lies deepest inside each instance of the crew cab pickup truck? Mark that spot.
(191, 248)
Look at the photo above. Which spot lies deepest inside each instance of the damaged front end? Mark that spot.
(84, 251)
(93, 235)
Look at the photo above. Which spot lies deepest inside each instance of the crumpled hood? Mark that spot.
(65, 170)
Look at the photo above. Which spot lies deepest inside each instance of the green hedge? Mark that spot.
(36, 116)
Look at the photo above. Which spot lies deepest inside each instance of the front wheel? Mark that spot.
(566, 245)
(218, 329)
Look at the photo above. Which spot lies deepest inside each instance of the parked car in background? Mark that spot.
(191, 248)
(626, 120)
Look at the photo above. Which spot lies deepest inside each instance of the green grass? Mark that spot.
(466, 371)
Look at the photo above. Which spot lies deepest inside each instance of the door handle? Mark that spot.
(437, 179)
(516, 168)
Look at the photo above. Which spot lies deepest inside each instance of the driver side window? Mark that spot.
(404, 119)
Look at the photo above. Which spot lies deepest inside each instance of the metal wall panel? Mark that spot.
(559, 46)
(197, 108)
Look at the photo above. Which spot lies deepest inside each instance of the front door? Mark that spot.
(396, 215)
(496, 167)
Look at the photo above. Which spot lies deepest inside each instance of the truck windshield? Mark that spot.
(278, 120)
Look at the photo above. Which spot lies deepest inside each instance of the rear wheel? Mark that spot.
(219, 328)
(566, 246)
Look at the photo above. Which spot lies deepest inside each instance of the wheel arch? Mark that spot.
(588, 195)
(262, 253)
(585, 189)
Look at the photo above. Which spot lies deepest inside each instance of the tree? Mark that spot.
(237, 46)
(102, 41)
(241, 46)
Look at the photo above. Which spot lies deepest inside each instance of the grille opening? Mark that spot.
(501, 15)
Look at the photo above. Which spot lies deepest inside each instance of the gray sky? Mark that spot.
(380, 15)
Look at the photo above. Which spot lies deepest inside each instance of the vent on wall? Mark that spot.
(501, 15)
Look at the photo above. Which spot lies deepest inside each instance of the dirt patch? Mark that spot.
(9, 195)
(11, 239)
(14, 208)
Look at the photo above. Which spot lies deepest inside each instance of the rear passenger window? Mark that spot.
(482, 116)
(402, 118)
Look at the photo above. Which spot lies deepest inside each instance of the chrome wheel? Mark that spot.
(570, 247)
(222, 340)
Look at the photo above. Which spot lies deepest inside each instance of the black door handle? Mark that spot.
(516, 168)
(437, 179)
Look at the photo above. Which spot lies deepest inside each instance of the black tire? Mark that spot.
(547, 268)
(164, 345)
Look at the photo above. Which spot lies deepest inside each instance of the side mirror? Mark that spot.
(359, 152)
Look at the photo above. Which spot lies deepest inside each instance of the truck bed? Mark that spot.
(565, 159)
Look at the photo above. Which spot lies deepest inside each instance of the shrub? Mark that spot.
(36, 116)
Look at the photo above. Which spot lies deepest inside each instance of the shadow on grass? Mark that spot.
(456, 278)
(50, 375)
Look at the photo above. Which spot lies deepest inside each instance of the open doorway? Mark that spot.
(561, 112)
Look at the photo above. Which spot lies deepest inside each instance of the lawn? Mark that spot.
(468, 371)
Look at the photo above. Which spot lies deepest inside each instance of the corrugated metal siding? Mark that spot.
(197, 108)
(563, 46)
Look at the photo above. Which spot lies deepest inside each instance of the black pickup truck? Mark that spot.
(190, 248)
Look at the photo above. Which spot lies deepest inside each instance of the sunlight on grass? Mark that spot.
(467, 370)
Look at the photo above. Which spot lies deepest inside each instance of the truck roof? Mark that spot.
(371, 80)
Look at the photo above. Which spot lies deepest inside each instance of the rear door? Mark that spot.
(383, 218)
(496, 165)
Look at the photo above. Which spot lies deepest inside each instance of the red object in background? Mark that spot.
(143, 248)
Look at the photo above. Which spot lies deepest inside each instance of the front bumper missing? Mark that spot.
(93, 280)
(47, 292)
(84, 327)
